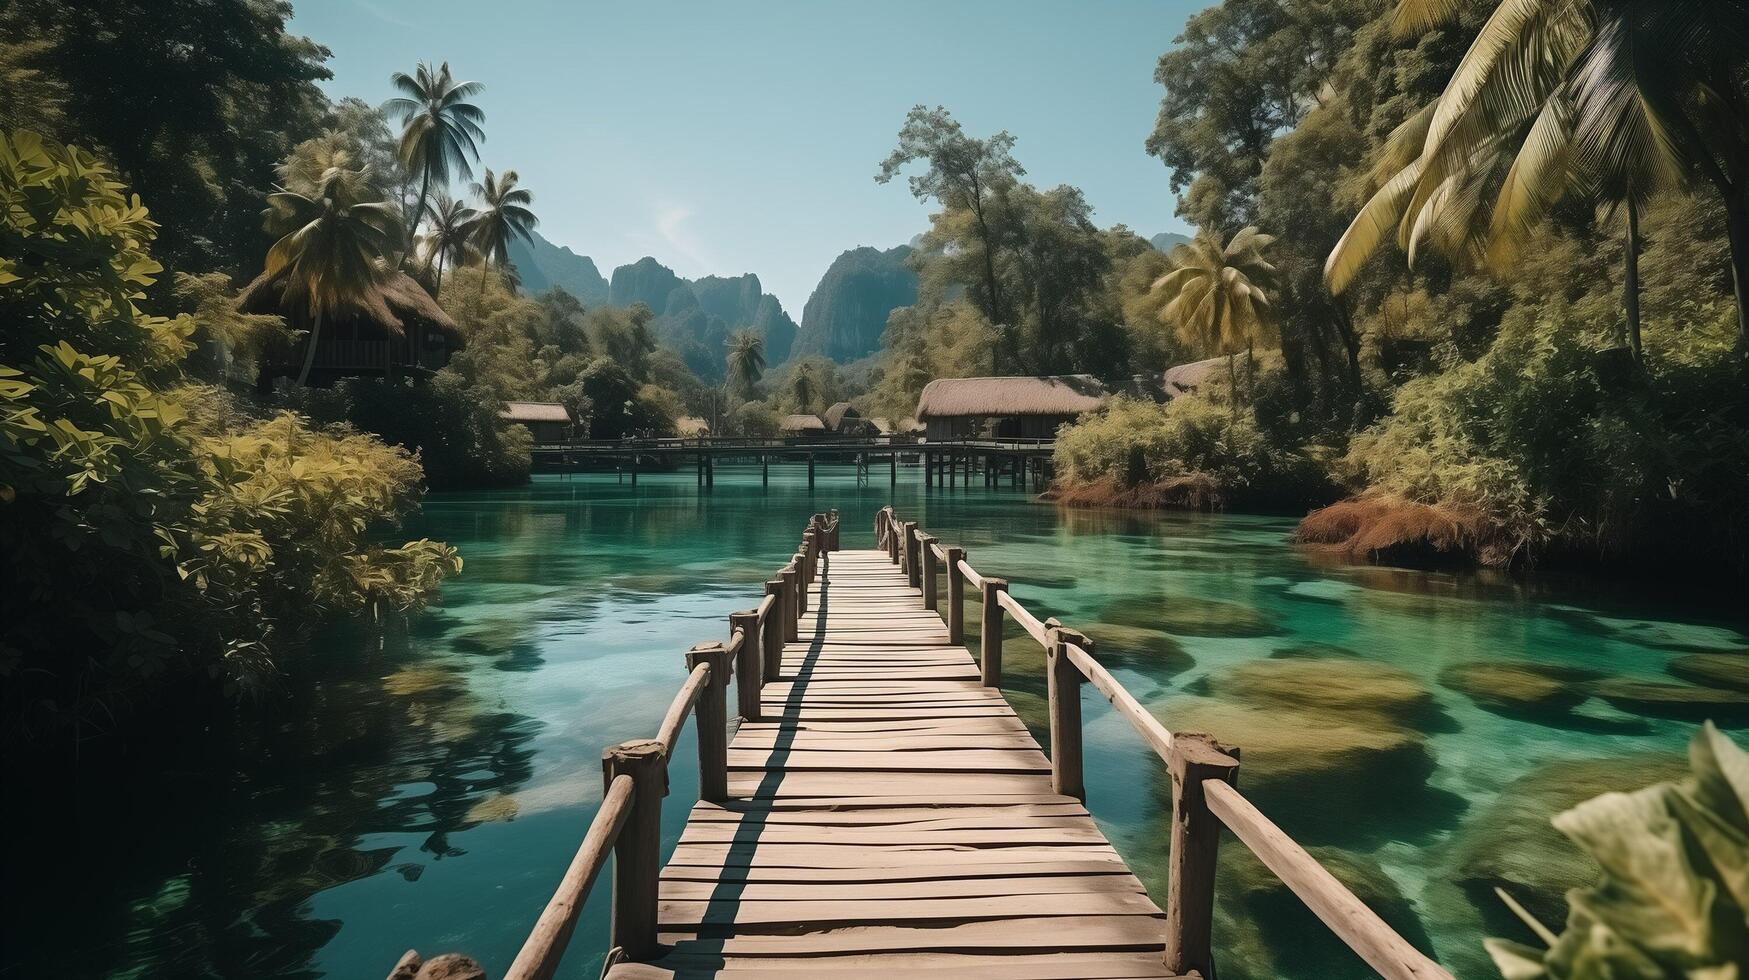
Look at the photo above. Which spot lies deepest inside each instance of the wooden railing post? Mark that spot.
(637, 854)
(712, 717)
(802, 579)
(748, 669)
(926, 554)
(1063, 686)
(810, 550)
(913, 573)
(791, 614)
(990, 633)
(956, 597)
(892, 537)
(1196, 838)
(771, 637)
(832, 533)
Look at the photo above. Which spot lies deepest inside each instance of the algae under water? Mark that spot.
(426, 789)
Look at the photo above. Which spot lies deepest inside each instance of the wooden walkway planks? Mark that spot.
(893, 816)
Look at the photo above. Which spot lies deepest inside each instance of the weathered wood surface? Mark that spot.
(892, 816)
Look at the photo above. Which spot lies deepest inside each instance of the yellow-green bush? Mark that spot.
(152, 540)
(1191, 451)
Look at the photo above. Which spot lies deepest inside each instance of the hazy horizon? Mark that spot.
(725, 139)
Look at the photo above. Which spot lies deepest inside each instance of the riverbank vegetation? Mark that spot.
(1526, 347)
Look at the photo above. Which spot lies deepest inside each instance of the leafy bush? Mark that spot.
(1554, 442)
(454, 426)
(1674, 899)
(1191, 451)
(147, 533)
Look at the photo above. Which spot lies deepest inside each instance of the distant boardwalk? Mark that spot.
(882, 811)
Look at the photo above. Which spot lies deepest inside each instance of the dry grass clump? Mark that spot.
(1389, 529)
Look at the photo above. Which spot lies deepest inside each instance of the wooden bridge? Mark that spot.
(1022, 462)
(882, 812)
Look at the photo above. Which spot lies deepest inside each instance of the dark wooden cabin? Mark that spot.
(399, 330)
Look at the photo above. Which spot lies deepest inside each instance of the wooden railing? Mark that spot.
(628, 824)
(1204, 772)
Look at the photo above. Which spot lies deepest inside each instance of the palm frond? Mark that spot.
(1376, 222)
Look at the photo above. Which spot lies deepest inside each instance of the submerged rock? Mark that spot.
(1297, 755)
(1146, 650)
(1713, 669)
(1659, 699)
(495, 807)
(1511, 844)
(1190, 616)
(1516, 687)
(1342, 686)
(1269, 933)
(1312, 651)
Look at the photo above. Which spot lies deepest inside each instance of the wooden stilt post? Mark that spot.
(764, 470)
(810, 471)
(748, 663)
(1196, 839)
(712, 717)
(1063, 687)
(791, 614)
(990, 633)
(893, 468)
(637, 854)
(956, 597)
(771, 638)
(913, 570)
(926, 554)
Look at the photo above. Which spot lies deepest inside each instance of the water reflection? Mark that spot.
(1415, 729)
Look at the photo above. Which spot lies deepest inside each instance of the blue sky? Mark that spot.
(729, 137)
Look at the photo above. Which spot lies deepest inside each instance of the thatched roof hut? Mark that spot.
(546, 421)
(691, 427)
(1024, 407)
(397, 327)
(802, 426)
(1182, 379)
(844, 420)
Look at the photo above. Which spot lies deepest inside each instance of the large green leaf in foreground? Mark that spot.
(1674, 899)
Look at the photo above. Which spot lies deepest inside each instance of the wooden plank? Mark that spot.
(890, 815)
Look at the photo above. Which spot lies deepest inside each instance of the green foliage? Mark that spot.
(1193, 437)
(1674, 897)
(1555, 443)
(755, 420)
(154, 535)
(190, 100)
(452, 424)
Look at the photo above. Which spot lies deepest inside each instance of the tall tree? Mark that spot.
(746, 360)
(503, 214)
(331, 248)
(803, 386)
(446, 234)
(193, 101)
(1614, 97)
(966, 174)
(441, 131)
(1215, 296)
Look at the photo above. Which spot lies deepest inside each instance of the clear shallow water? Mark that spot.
(427, 791)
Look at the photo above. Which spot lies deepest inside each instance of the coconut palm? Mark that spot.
(1216, 296)
(446, 234)
(503, 214)
(330, 249)
(440, 129)
(746, 360)
(804, 387)
(1615, 99)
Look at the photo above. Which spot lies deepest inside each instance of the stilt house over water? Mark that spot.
(1006, 408)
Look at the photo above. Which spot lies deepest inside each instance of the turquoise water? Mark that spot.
(427, 788)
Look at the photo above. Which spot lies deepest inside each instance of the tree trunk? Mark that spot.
(1737, 222)
(439, 285)
(310, 352)
(1631, 278)
(418, 216)
(1233, 385)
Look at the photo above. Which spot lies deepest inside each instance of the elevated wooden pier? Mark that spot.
(881, 811)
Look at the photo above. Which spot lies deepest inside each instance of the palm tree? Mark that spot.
(440, 129)
(503, 214)
(803, 386)
(446, 236)
(1616, 99)
(1215, 296)
(746, 360)
(331, 248)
